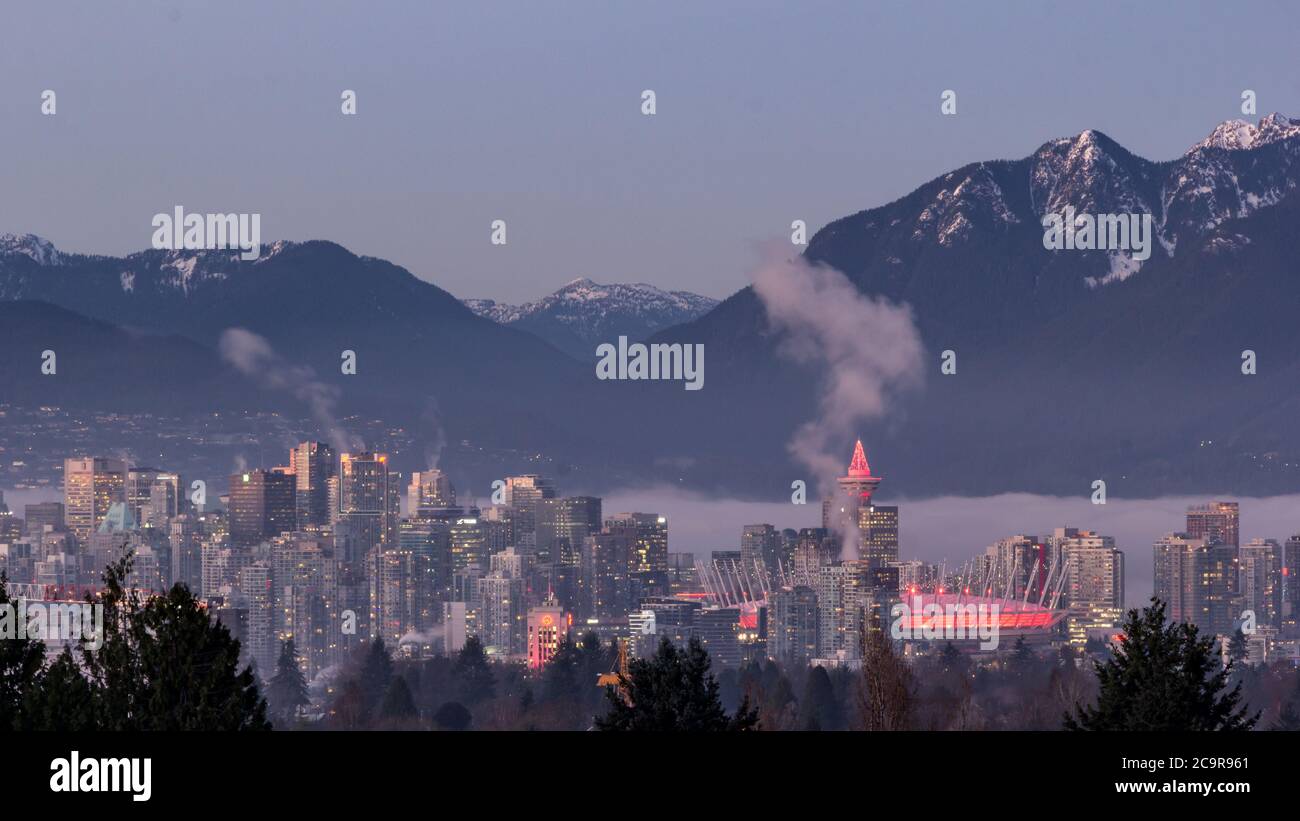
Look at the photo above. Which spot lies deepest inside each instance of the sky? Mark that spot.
(531, 113)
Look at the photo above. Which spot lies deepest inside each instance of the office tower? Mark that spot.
(468, 543)
(90, 487)
(1197, 581)
(256, 590)
(814, 547)
(37, 517)
(139, 491)
(546, 629)
(1019, 566)
(185, 534)
(498, 523)
(1261, 581)
(606, 577)
(392, 592)
(760, 543)
(429, 543)
(429, 492)
(1215, 522)
(166, 500)
(501, 614)
(878, 534)
(261, 506)
(564, 524)
(510, 563)
(368, 496)
(916, 576)
(841, 594)
(1291, 586)
(648, 568)
(314, 464)
(525, 495)
(718, 629)
(792, 625)
(1094, 583)
(454, 623)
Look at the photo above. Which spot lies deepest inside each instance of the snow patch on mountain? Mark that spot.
(41, 251)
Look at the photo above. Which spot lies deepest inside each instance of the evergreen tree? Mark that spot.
(672, 691)
(376, 673)
(21, 662)
(1289, 716)
(398, 705)
(472, 673)
(819, 709)
(452, 716)
(1162, 678)
(288, 689)
(60, 699)
(165, 664)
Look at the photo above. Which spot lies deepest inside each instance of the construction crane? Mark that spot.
(616, 677)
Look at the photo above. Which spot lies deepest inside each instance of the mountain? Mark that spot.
(583, 314)
(1073, 365)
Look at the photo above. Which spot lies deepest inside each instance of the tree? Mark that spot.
(376, 673)
(452, 716)
(818, 708)
(473, 674)
(672, 691)
(398, 705)
(886, 691)
(288, 689)
(1163, 678)
(60, 699)
(1289, 716)
(21, 661)
(165, 664)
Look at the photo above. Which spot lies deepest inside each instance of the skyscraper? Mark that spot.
(90, 488)
(368, 497)
(1261, 580)
(792, 625)
(1094, 585)
(853, 491)
(430, 491)
(1215, 522)
(314, 465)
(546, 628)
(261, 506)
(1197, 581)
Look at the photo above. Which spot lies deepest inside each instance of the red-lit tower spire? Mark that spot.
(859, 484)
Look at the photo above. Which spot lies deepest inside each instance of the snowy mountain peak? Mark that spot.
(41, 251)
(1239, 135)
(584, 312)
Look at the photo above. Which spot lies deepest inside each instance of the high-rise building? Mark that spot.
(314, 464)
(546, 628)
(501, 614)
(430, 491)
(1197, 581)
(90, 488)
(564, 524)
(841, 597)
(1215, 522)
(792, 625)
(878, 534)
(368, 495)
(1094, 582)
(38, 516)
(760, 542)
(1261, 580)
(648, 561)
(525, 495)
(1291, 586)
(606, 577)
(261, 506)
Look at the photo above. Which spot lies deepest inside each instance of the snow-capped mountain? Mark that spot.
(40, 251)
(583, 313)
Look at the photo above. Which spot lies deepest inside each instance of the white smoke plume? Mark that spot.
(869, 348)
(253, 356)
